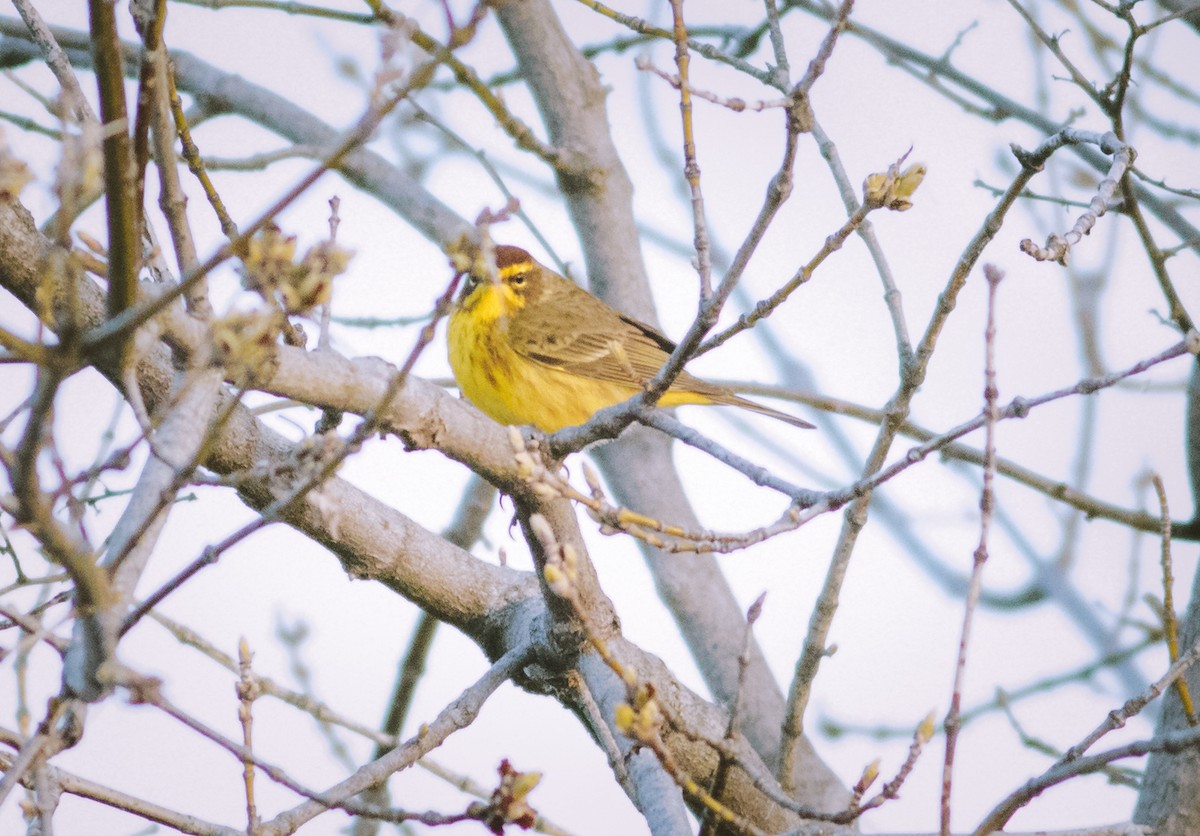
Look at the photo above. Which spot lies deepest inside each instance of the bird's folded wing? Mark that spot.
(619, 350)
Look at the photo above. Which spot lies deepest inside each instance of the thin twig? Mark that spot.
(691, 166)
(986, 503)
(56, 60)
(1170, 622)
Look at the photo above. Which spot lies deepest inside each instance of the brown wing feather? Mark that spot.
(570, 329)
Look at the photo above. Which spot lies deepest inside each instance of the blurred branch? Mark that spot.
(1058, 490)
(124, 215)
(897, 410)
(459, 714)
(1074, 762)
(56, 60)
(928, 69)
(67, 782)
(464, 530)
(285, 7)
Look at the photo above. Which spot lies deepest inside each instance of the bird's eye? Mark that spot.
(518, 279)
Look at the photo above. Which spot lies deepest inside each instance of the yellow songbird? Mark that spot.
(531, 347)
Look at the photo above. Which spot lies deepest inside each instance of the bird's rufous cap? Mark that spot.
(508, 255)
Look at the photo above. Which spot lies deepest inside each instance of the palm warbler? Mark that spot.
(534, 348)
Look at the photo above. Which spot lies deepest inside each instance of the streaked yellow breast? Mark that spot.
(508, 387)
